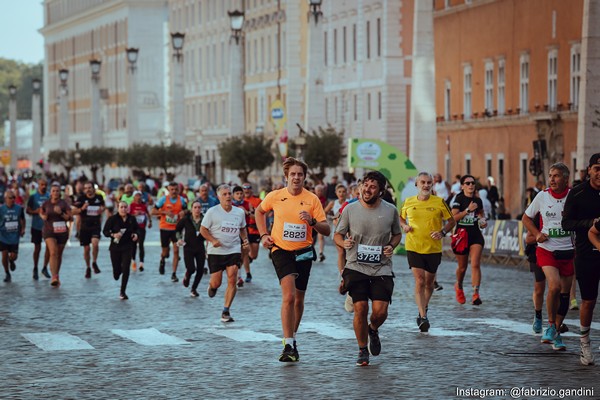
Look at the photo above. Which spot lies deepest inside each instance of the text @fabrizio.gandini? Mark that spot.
(519, 392)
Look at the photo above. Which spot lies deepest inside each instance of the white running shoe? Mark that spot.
(349, 304)
(585, 355)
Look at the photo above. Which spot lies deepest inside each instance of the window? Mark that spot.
(355, 107)
(368, 39)
(335, 58)
(552, 78)
(501, 87)
(344, 46)
(489, 87)
(379, 105)
(467, 106)
(447, 93)
(500, 181)
(468, 163)
(325, 47)
(262, 54)
(369, 106)
(354, 42)
(524, 84)
(378, 37)
(488, 165)
(523, 174)
(575, 76)
(326, 109)
(335, 109)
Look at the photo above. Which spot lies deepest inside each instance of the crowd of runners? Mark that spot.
(219, 231)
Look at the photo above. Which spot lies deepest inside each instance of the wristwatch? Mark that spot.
(312, 222)
(443, 232)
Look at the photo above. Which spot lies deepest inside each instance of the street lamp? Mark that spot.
(177, 39)
(37, 85)
(36, 142)
(236, 21)
(63, 74)
(315, 9)
(12, 90)
(132, 109)
(95, 67)
(12, 115)
(132, 56)
(300, 141)
(96, 138)
(63, 127)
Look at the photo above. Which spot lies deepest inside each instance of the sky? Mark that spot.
(19, 36)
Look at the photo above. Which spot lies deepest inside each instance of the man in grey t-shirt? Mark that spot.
(369, 230)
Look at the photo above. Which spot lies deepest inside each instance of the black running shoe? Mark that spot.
(437, 287)
(374, 344)
(174, 277)
(186, 279)
(194, 293)
(288, 354)
(45, 272)
(12, 264)
(211, 292)
(226, 317)
(88, 273)
(161, 266)
(205, 271)
(296, 352)
(36, 276)
(321, 257)
(123, 296)
(249, 277)
(423, 324)
(563, 328)
(95, 268)
(7, 278)
(363, 358)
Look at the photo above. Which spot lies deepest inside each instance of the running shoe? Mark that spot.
(174, 277)
(349, 304)
(249, 277)
(374, 344)
(211, 292)
(558, 344)
(574, 305)
(88, 273)
(194, 293)
(141, 266)
(563, 328)
(205, 271)
(296, 354)
(161, 266)
(12, 264)
(7, 278)
(240, 282)
(549, 334)
(476, 299)
(321, 257)
(36, 276)
(460, 294)
(45, 272)
(95, 267)
(537, 325)
(585, 354)
(226, 317)
(55, 281)
(186, 279)
(363, 358)
(423, 324)
(437, 287)
(287, 355)
(123, 296)
(133, 265)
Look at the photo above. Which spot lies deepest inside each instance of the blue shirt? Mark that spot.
(207, 204)
(34, 203)
(10, 223)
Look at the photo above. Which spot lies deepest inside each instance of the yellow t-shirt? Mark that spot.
(424, 217)
(289, 231)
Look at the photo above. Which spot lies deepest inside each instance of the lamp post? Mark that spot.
(12, 115)
(178, 135)
(314, 114)
(300, 142)
(132, 106)
(237, 120)
(95, 110)
(63, 122)
(36, 118)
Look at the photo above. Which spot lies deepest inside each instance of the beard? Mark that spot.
(372, 200)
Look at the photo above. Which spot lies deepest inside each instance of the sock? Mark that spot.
(460, 285)
(538, 314)
(289, 341)
(550, 323)
(225, 309)
(585, 334)
(362, 348)
(476, 289)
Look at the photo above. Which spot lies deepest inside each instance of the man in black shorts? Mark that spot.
(33, 208)
(581, 212)
(90, 207)
(369, 230)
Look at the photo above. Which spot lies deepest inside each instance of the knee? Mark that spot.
(379, 315)
(288, 299)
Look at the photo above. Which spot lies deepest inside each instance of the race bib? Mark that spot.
(141, 219)
(555, 230)
(369, 254)
(59, 227)
(93, 211)
(171, 220)
(469, 219)
(11, 226)
(294, 232)
(230, 228)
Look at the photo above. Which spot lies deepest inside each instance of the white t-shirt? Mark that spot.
(441, 190)
(551, 209)
(225, 227)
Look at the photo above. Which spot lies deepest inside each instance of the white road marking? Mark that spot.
(574, 324)
(56, 341)
(244, 335)
(433, 331)
(329, 330)
(510, 325)
(149, 337)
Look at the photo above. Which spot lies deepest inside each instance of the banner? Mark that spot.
(504, 237)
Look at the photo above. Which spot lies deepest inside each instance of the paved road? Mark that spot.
(80, 341)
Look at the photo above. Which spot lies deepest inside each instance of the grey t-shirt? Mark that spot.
(371, 229)
(225, 227)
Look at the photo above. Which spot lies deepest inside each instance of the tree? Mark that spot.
(65, 158)
(324, 149)
(145, 156)
(246, 153)
(96, 158)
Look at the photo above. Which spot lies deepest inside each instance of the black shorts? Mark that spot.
(475, 236)
(167, 237)
(537, 272)
(86, 235)
(61, 238)
(428, 262)
(285, 264)
(587, 271)
(253, 238)
(36, 236)
(11, 248)
(363, 287)
(219, 262)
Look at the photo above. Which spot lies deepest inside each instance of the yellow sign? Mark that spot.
(5, 157)
(278, 116)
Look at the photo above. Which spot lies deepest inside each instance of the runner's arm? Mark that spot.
(594, 236)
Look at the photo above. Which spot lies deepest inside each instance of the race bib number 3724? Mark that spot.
(369, 254)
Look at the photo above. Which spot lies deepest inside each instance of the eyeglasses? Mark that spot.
(469, 183)
(246, 187)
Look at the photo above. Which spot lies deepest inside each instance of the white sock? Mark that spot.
(289, 341)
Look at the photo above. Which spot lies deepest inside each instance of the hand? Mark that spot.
(267, 241)
(134, 237)
(57, 210)
(388, 250)
(245, 243)
(180, 243)
(305, 216)
(541, 237)
(407, 228)
(472, 206)
(436, 235)
(348, 243)
(216, 243)
(118, 235)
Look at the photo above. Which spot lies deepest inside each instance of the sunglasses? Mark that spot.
(246, 187)
(469, 183)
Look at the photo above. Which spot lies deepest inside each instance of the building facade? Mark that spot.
(508, 74)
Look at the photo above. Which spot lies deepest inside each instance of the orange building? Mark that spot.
(507, 75)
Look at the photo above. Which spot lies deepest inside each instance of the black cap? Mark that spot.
(594, 159)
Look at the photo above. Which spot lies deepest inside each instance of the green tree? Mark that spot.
(324, 149)
(169, 159)
(66, 158)
(20, 75)
(96, 158)
(246, 153)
